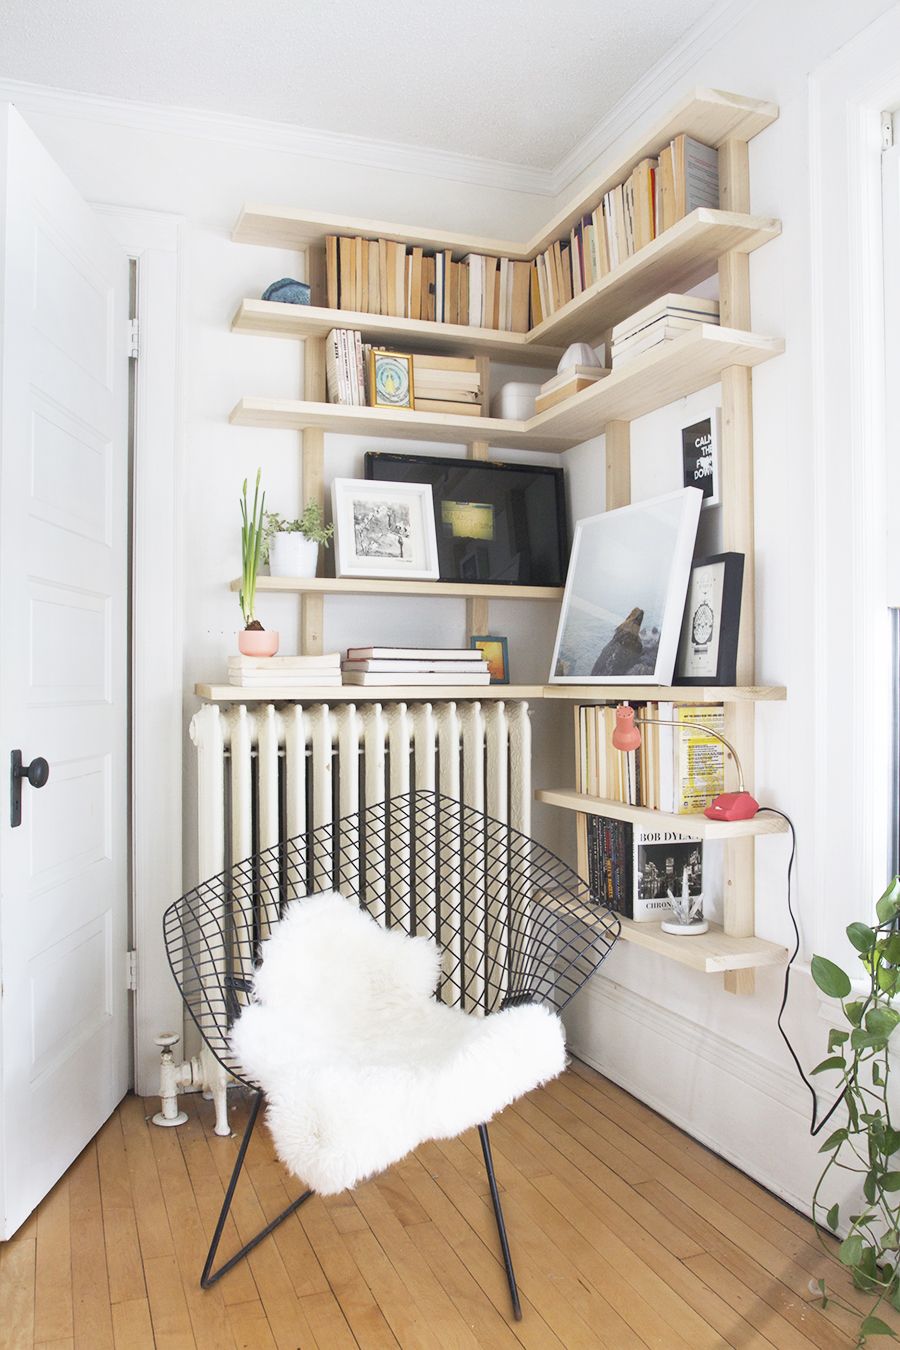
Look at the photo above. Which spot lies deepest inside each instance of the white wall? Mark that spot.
(708, 1060)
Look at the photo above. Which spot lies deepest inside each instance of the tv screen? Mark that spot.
(498, 523)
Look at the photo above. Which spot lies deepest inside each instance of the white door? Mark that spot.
(63, 692)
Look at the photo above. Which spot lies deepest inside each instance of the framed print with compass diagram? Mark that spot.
(390, 379)
(707, 651)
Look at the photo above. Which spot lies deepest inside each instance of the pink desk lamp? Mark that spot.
(728, 805)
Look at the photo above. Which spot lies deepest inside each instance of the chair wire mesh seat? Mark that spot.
(515, 923)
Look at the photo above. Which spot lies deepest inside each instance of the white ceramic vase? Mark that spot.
(293, 555)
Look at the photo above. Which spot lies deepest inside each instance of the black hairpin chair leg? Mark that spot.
(209, 1277)
(501, 1226)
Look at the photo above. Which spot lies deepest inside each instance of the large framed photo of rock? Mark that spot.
(625, 590)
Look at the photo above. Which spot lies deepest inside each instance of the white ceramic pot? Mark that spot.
(293, 555)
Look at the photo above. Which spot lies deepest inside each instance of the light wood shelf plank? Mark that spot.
(270, 318)
(711, 115)
(700, 826)
(357, 693)
(673, 693)
(385, 586)
(533, 692)
(685, 254)
(712, 952)
(657, 377)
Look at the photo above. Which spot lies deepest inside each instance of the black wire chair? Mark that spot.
(515, 923)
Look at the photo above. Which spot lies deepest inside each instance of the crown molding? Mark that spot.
(258, 134)
(653, 86)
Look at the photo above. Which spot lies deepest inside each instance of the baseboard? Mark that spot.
(725, 1096)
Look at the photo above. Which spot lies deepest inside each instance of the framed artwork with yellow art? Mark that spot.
(495, 651)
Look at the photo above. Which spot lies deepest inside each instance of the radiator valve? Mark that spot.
(172, 1076)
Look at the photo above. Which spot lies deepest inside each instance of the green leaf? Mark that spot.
(888, 906)
(890, 1142)
(830, 978)
(831, 1218)
(852, 1111)
(876, 1074)
(870, 1186)
(890, 1181)
(865, 1040)
(881, 1021)
(887, 980)
(833, 1141)
(850, 1250)
(891, 1240)
(873, 1326)
(854, 1013)
(891, 949)
(835, 1062)
(836, 1038)
(862, 937)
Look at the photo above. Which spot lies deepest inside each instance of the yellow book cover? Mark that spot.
(699, 758)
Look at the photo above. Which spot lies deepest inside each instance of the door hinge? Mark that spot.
(131, 970)
(134, 333)
(887, 130)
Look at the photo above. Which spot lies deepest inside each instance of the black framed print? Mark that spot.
(707, 651)
(700, 456)
(498, 523)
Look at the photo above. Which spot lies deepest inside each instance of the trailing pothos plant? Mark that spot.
(869, 1144)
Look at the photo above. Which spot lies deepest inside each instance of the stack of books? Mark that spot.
(656, 195)
(347, 367)
(567, 383)
(675, 769)
(385, 276)
(285, 672)
(634, 871)
(447, 384)
(415, 666)
(662, 320)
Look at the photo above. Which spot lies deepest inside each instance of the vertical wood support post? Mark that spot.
(477, 616)
(736, 476)
(312, 443)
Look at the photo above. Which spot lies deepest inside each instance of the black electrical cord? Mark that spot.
(815, 1124)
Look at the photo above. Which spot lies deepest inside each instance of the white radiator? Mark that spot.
(266, 774)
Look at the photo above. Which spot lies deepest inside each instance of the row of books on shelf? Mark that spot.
(675, 769)
(369, 666)
(389, 277)
(663, 320)
(437, 384)
(635, 872)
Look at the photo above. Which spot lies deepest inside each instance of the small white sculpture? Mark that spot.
(578, 354)
(688, 911)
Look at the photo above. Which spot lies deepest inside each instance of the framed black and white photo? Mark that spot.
(498, 523)
(700, 456)
(383, 529)
(625, 591)
(707, 652)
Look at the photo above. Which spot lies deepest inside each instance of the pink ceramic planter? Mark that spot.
(258, 642)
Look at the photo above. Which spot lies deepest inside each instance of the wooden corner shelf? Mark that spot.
(436, 590)
(712, 953)
(650, 381)
(675, 261)
(668, 693)
(698, 826)
(361, 693)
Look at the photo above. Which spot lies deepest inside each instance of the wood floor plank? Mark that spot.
(123, 1248)
(91, 1306)
(168, 1309)
(250, 1326)
(132, 1328)
(53, 1318)
(152, 1221)
(329, 1325)
(17, 1282)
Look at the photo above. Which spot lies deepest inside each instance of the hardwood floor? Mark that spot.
(624, 1232)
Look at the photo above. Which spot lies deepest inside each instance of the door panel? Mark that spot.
(63, 694)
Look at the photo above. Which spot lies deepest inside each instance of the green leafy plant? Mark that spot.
(251, 550)
(311, 525)
(869, 1144)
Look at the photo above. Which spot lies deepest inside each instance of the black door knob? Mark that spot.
(37, 773)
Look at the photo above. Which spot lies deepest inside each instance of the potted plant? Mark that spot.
(868, 1144)
(291, 547)
(254, 640)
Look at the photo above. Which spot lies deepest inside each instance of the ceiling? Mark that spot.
(518, 81)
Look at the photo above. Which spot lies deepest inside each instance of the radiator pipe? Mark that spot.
(201, 1073)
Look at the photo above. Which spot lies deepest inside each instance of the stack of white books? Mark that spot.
(663, 320)
(415, 666)
(285, 672)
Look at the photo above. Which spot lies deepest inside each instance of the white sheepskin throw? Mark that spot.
(358, 1061)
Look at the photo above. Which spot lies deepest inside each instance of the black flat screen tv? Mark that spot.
(498, 523)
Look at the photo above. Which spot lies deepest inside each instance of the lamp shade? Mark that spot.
(626, 735)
